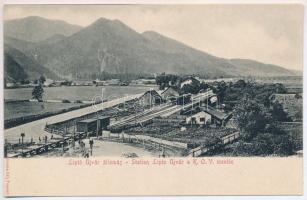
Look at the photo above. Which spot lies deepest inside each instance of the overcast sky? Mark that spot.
(267, 33)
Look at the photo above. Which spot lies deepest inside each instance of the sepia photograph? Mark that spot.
(162, 99)
(160, 81)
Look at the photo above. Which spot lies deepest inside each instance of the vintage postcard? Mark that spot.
(116, 100)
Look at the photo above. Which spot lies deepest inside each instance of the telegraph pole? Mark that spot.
(150, 101)
(22, 136)
(64, 133)
(74, 135)
(97, 125)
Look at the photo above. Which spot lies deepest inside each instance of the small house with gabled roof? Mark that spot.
(150, 98)
(170, 92)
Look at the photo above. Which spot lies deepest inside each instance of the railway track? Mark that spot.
(163, 111)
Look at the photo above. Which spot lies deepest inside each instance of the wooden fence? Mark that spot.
(203, 149)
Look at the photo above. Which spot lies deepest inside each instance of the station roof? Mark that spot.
(103, 117)
(88, 120)
(215, 113)
(154, 93)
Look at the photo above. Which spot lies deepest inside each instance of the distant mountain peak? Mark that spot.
(110, 22)
(111, 27)
(150, 32)
(35, 17)
(36, 29)
(32, 17)
(101, 20)
(111, 44)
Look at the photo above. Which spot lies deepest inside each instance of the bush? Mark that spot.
(278, 113)
(65, 101)
(265, 144)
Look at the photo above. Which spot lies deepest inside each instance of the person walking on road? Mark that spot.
(91, 146)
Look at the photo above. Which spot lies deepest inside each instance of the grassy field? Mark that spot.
(76, 92)
(20, 109)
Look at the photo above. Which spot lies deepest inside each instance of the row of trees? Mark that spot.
(259, 92)
(194, 88)
(122, 76)
(166, 80)
(259, 120)
(257, 117)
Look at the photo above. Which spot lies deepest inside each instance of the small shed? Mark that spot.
(104, 122)
(88, 125)
(170, 92)
(150, 98)
(218, 117)
(200, 118)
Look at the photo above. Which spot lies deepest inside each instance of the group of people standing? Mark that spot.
(84, 151)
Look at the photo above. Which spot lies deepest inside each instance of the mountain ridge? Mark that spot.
(27, 28)
(19, 67)
(123, 50)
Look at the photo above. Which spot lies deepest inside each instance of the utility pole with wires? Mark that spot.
(192, 102)
(74, 135)
(22, 136)
(63, 148)
(150, 99)
(143, 135)
(97, 125)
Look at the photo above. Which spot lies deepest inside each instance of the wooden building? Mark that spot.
(104, 122)
(200, 118)
(150, 98)
(170, 93)
(87, 125)
(90, 125)
(217, 117)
